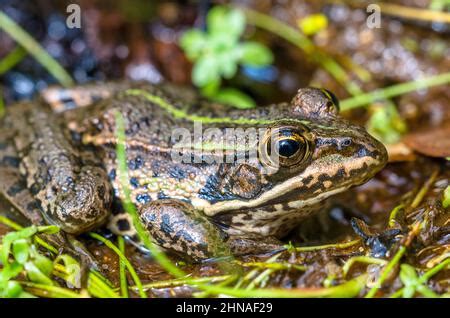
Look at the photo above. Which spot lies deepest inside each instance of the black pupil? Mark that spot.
(288, 147)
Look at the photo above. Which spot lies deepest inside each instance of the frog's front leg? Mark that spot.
(177, 226)
(70, 186)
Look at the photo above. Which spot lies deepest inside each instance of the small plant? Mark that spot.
(17, 255)
(25, 262)
(218, 53)
(386, 123)
(413, 283)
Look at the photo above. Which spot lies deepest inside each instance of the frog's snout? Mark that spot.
(373, 152)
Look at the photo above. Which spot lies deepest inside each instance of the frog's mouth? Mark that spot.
(307, 189)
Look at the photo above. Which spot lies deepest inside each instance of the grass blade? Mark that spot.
(123, 259)
(28, 43)
(122, 269)
(12, 59)
(394, 90)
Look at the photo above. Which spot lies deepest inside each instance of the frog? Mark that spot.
(199, 191)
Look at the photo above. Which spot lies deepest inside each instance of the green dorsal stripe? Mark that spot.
(181, 114)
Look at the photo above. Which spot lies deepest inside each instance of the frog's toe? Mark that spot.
(83, 206)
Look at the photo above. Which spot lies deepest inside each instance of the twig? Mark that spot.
(423, 191)
(393, 214)
(361, 259)
(326, 246)
(183, 281)
(48, 291)
(394, 90)
(414, 13)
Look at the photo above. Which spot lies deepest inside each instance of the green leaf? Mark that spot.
(35, 275)
(205, 70)
(9, 238)
(427, 292)
(12, 270)
(44, 264)
(193, 42)
(408, 274)
(313, 23)
(48, 229)
(228, 65)
(24, 294)
(72, 268)
(224, 53)
(225, 20)
(21, 250)
(409, 278)
(228, 69)
(221, 43)
(386, 123)
(12, 290)
(235, 98)
(446, 199)
(409, 291)
(211, 88)
(255, 54)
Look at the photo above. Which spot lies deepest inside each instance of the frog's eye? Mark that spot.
(287, 146)
(334, 101)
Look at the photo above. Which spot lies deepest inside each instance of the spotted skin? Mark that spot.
(62, 150)
(12, 184)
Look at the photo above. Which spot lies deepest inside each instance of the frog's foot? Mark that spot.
(71, 187)
(176, 226)
(379, 243)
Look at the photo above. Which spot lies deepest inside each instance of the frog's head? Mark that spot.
(306, 156)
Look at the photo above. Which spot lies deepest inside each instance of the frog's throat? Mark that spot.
(313, 197)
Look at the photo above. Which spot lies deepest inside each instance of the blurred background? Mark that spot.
(322, 43)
